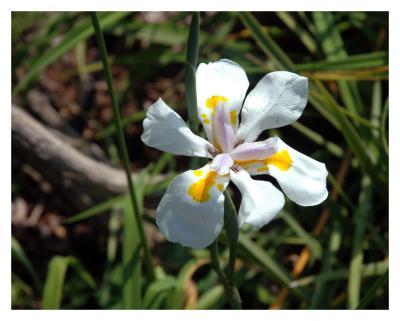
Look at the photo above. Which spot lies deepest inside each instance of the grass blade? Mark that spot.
(347, 129)
(319, 139)
(305, 37)
(376, 106)
(190, 73)
(156, 290)
(114, 227)
(114, 202)
(360, 221)
(367, 270)
(383, 127)
(132, 271)
(177, 299)
(193, 40)
(131, 119)
(380, 282)
(333, 46)
(19, 254)
(122, 145)
(353, 62)
(53, 287)
(211, 298)
(71, 39)
(309, 240)
(268, 263)
(321, 290)
(266, 43)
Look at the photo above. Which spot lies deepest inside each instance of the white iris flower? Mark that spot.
(192, 210)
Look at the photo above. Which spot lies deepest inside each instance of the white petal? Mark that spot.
(165, 130)
(191, 211)
(261, 200)
(277, 100)
(305, 181)
(221, 81)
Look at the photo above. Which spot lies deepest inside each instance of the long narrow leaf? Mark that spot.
(19, 254)
(289, 20)
(268, 263)
(136, 208)
(311, 242)
(354, 62)
(157, 289)
(53, 287)
(190, 74)
(367, 270)
(71, 39)
(132, 270)
(117, 201)
(381, 281)
(360, 221)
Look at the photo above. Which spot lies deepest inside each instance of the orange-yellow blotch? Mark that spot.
(200, 191)
(214, 100)
(198, 172)
(220, 187)
(280, 160)
(233, 116)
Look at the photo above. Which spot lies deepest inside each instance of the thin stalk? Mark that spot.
(229, 288)
(232, 230)
(121, 142)
(232, 217)
(215, 260)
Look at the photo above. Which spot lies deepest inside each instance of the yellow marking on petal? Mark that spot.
(198, 172)
(214, 100)
(200, 191)
(220, 187)
(204, 115)
(233, 115)
(280, 160)
(249, 162)
(206, 121)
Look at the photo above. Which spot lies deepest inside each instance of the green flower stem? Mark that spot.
(232, 230)
(229, 288)
(215, 261)
(122, 143)
(231, 223)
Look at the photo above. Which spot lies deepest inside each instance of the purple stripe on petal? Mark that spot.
(223, 129)
(256, 150)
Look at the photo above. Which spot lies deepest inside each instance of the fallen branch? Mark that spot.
(80, 180)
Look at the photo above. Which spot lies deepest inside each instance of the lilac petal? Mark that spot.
(223, 129)
(256, 150)
(221, 164)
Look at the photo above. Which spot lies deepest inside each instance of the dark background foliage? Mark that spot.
(68, 252)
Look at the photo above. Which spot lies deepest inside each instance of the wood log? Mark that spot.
(81, 180)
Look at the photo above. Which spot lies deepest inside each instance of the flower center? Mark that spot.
(222, 163)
